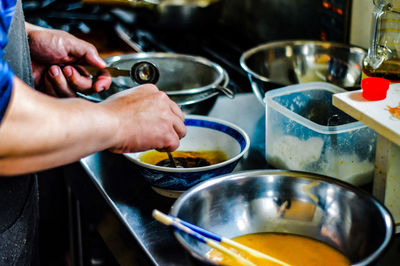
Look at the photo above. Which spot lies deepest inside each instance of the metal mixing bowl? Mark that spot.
(318, 207)
(278, 64)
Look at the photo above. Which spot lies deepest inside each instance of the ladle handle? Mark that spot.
(171, 159)
(228, 92)
(224, 89)
(114, 72)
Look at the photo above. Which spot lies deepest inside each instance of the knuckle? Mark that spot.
(89, 46)
(165, 126)
(183, 132)
(150, 86)
(153, 87)
(162, 97)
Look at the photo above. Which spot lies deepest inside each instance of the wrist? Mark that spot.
(110, 123)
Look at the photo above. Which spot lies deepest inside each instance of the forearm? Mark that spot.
(40, 132)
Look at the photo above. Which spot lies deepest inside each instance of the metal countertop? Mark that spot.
(117, 200)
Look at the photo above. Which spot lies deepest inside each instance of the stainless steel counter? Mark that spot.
(115, 198)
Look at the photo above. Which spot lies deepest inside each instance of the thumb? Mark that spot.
(92, 57)
(86, 51)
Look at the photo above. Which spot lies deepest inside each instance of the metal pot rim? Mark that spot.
(181, 100)
(197, 59)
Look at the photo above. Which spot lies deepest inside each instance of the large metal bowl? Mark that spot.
(311, 205)
(282, 63)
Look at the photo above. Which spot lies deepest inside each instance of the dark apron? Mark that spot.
(18, 195)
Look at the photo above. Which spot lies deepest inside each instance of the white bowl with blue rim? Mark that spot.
(203, 133)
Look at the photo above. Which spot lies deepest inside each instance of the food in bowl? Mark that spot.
(288, 248)
(185, 159)
(260, 201)
(203, 134)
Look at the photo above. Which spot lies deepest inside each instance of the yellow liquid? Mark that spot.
(291, 249)
(211, 156)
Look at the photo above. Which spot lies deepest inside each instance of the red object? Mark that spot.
(374, 89)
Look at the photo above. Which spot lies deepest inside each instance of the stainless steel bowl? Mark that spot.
(331, 211)
(278, 64)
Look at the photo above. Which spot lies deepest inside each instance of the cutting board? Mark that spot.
(374, 114)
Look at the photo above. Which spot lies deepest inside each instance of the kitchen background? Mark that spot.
(239, 25)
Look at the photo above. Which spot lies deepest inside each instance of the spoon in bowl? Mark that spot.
(172, 160)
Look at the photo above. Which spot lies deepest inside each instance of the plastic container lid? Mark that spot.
(374, 89)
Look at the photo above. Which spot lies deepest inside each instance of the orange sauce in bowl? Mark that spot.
(186, 159)
(292, 249)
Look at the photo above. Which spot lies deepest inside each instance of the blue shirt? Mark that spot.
(7, 8)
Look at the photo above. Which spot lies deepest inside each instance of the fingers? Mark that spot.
(170, 145)
(180, 129)
(88, 52)
(48, 87)
(170, 139)
(103, 81)
(177, 110)
(175, 115)
(178, 124)
(55, 82)
(84, 83)
(76, 81)
(93, 58)
(67, 81)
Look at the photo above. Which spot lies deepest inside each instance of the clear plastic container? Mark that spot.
(305, 132)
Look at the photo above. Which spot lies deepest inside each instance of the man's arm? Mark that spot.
(40, 132)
